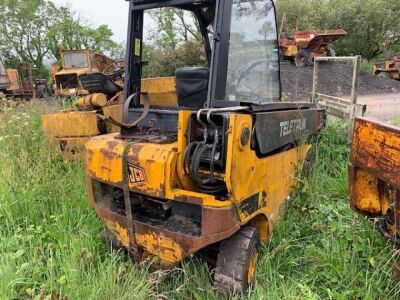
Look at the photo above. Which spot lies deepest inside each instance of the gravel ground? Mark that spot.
(334, 79)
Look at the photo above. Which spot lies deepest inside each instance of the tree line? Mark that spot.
(33, 31)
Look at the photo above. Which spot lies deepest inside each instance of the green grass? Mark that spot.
(50, 243)
(367, 66)
(396, 122)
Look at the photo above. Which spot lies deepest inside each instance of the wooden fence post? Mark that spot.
(348, 109)
(354, 95)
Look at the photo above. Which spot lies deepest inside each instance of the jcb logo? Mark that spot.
(136, 174)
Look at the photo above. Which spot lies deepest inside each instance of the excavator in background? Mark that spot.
(76, 63)
(212, 171)
(303, 46)
(374, 176)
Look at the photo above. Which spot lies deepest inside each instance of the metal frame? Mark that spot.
(219, 62)
(149, 4)
(134, 62)
(135, 38)
(336, 106)
(218, 58)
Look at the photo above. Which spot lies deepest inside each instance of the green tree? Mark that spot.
(369, 23)
(164, 62)
(23, 30)
(175, 41)
(72, 32)
(172, 27)
(32, 30)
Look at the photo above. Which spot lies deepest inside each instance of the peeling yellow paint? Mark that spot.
(103, 156)
(247, 174)
(166, 249)
(121, 233)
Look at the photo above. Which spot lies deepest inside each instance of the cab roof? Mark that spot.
(185, 4)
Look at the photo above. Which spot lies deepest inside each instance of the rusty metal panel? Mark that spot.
(14, 79)
(69, 148)
(114, 111)
(70, 124)
(364, 191)
(312, 40)
(161, 91)
(376, 149)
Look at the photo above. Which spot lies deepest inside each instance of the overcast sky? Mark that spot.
(113, 13)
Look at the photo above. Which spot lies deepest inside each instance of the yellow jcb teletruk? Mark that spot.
(214, 171)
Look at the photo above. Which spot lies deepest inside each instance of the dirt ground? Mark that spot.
(334, 79)
(384, 107)
(381, 95)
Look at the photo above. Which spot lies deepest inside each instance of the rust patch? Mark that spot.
(376, 149)
(396, 273)
(111, 145)
(397, 210)
(190, 200)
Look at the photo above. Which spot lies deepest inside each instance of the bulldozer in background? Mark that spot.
(76, 63)
(374, 177)
(303, 46)
(68, 130)
(212, 171)
(101, 96)
(390, 68)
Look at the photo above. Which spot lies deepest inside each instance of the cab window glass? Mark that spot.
(253, 64)
(76, 60)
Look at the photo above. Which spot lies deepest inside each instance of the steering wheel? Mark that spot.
(118, 65)
(247, 71)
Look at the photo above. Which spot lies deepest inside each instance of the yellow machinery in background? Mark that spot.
(21, 83)
(69, 130)
(374, 175)
(389, 69)
(212, 172)
(76, 63)
(5, 81)
(303, 46)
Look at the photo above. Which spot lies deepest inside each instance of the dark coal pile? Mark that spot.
(334, 79)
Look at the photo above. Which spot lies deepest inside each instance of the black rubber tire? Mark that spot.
(331, 52)
(303, 59)
(231, 272)
(385, 75)
(41, 91)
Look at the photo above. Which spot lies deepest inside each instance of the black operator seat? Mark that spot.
(192, 86)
